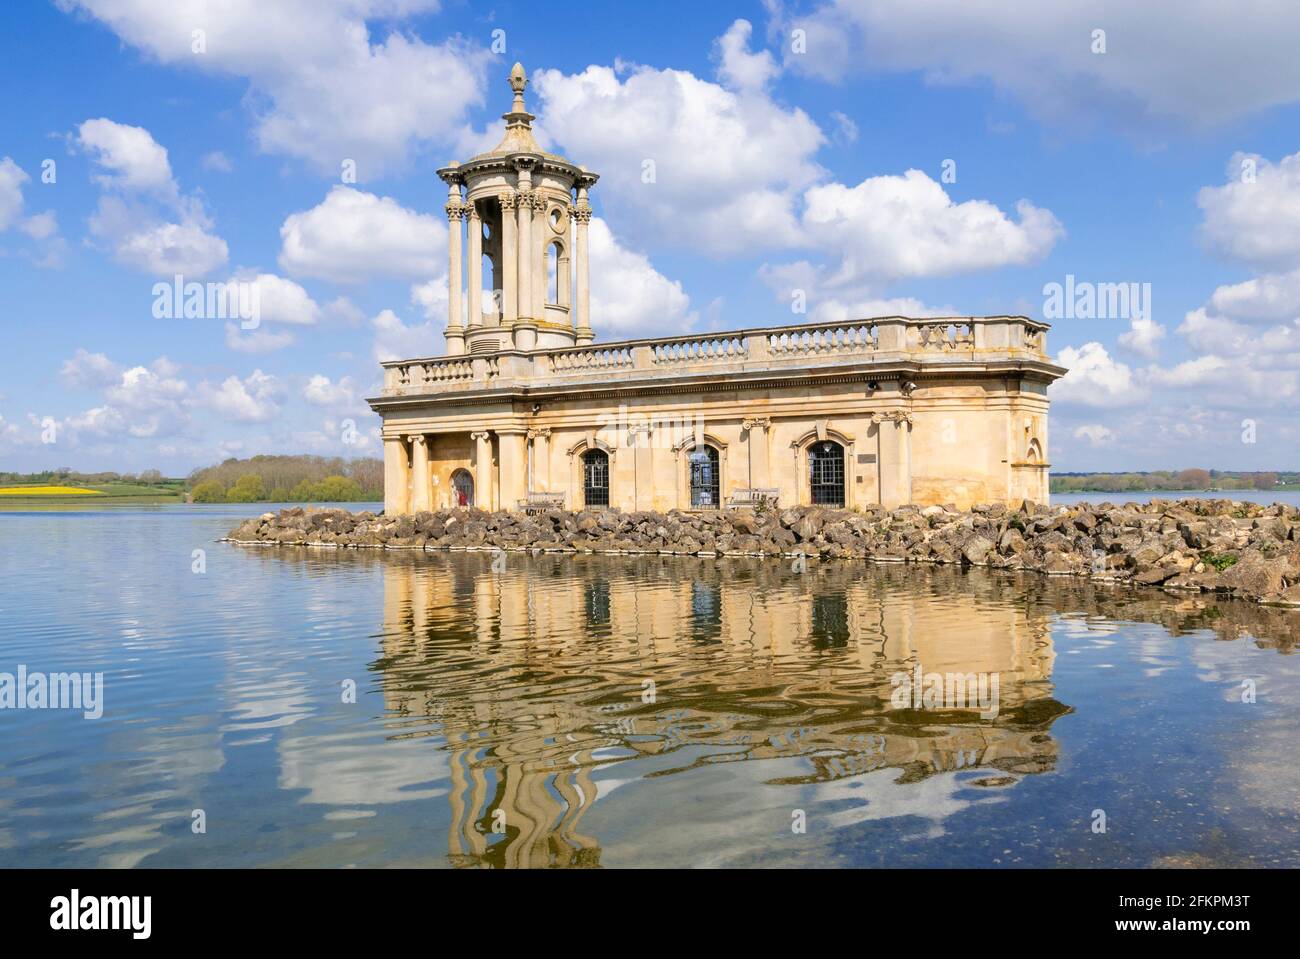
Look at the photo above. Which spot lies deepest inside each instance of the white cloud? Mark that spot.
(282, 301)
(394, 340)
(41, 226)
(738, 68)
(352, 235)
(260, 340)
(1142, 336)
(1255, 220)
(217, 162)
(1094, 379)
(888, 227)
(1095, 433)
(1164, 62)
(320, 89)
(342, 396)
(161, 249)
(629, 297)
(89, 371)
(12, 178)
(254, 399)
(727, 163)
(131, 158)
(144, 219)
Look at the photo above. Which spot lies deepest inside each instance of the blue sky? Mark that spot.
(795, 146)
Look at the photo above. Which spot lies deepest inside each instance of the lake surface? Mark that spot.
(534, 711)
(1266, 497)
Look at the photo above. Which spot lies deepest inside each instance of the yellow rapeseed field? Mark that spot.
(47, 491)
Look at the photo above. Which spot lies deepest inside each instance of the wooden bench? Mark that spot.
(536, 502)
(752, 498)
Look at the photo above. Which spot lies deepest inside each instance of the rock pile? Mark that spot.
(1243, 549)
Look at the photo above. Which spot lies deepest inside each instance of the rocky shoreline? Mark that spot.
(1241, 549)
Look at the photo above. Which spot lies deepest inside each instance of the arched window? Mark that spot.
(462, 488)
(826, 473)
(706, 478)
(595, 478)
(553, 273)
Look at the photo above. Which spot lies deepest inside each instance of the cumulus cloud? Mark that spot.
(1163, 65)
(143, 217)
(683, 157)
(89, 371)
(629, 297)
(352, 235)
(321, 88)
(12, 178)
(342, 396)
(129, 157)
(1143, 336)
(395, 340)
(1095, 379)
(1095, 433)
(254, 399)
(889, 227)
(1255, 216)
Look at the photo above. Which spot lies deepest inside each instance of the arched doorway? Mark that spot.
(706, 477)
(826, 473)
(595, 478)
(462, 488)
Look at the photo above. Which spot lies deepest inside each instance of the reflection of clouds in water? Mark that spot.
(881, 795)
(353, 769)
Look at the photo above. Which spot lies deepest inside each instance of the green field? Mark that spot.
(68, 496)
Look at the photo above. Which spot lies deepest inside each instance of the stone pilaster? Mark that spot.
(758, 431)
(484, 481)
(541, 468)
(397, 477)
(512, 467)
(582, 217)
(421, 490)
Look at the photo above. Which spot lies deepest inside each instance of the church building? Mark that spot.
(528, 410)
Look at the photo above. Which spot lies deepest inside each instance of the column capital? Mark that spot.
(580, 215)
(892, 416)
(480, 435)
(509, 199)
(756, 422)
(542, 431)
(456, 211)
(417, 438)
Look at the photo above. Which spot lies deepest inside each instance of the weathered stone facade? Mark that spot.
(527, 411)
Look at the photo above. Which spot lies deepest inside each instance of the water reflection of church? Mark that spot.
(538, 677)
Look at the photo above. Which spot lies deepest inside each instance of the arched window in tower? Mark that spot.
(826, 473)
(595, 478)
(553, 273)
(706, 478)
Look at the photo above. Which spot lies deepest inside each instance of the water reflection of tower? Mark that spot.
(535, 675)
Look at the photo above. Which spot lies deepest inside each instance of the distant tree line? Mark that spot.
(1189, 479)
(66, 476)
(289, 479)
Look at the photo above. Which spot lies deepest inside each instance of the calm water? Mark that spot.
(1289, 497)
(620, 711)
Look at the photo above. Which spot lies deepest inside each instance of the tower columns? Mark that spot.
(455, 214)
(475, 265)
(525, 251)
(509, 260)
(582, 217)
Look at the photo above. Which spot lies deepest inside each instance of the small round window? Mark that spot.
(556, 218)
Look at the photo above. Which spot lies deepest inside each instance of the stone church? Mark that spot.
(527, 410)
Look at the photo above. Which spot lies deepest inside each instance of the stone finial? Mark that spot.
(518, 80)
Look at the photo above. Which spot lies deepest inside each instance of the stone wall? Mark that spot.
(1241, 549)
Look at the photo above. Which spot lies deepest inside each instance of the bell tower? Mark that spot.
(517, 219)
